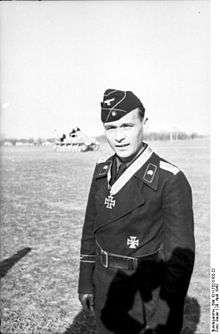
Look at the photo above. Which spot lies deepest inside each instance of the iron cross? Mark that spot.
(132, 242)
(109, 202)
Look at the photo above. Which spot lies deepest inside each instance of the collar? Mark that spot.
(129, 172)
(103, 167)
(148, 173)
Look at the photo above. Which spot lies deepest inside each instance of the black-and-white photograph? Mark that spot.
(105, 168)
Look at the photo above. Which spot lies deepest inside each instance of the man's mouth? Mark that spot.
(121, 145)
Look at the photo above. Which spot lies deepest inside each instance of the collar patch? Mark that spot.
(150, 173)
(102, 169)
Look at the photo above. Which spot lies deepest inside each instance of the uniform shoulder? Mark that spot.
(168, 167)
(102, 166)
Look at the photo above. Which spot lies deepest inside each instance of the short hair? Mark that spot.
(141, 112)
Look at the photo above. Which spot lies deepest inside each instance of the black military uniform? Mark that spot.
(137, 250)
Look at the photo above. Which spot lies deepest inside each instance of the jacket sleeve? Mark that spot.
(88, 246)
(179, 243)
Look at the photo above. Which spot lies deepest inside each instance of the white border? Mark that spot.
(215, 140)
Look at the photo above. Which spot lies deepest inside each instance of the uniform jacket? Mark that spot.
(152, 212)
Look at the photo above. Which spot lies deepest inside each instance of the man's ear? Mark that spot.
(145, 121)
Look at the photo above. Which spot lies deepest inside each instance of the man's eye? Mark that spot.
(127, 125)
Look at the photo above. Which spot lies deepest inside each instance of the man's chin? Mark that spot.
(126, 154)
(123, 154)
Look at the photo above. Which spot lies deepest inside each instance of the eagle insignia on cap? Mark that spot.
(109, 101)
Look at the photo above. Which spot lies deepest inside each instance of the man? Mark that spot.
(137, 249)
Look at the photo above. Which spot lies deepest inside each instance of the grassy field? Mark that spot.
(43, 199)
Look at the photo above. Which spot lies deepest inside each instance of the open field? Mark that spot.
(43, 199)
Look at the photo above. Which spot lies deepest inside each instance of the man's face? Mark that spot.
(126, 134)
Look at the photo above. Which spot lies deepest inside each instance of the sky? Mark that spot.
(58, 58)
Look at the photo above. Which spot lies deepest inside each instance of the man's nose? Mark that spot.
(119, 136)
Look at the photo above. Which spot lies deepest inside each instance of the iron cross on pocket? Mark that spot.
(132, 242)
(109, 202)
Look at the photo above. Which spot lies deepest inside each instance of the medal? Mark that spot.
(109, 201)
(125, 177)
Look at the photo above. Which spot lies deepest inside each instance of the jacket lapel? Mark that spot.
(129, 197)
(125, 201)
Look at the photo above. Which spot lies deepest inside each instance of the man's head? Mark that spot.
(123, 120)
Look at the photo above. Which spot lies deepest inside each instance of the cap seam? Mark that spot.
(116, 109)
(119, 101)
(110, 92)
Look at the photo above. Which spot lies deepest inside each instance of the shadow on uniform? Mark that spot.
(192, 311)
(84, 323)
(7, 264)
(162, 287)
